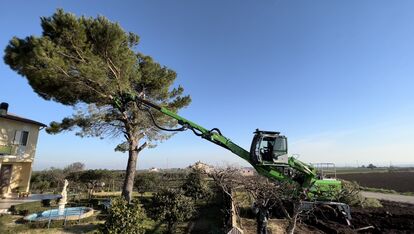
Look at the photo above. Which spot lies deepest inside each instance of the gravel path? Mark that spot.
(389, 197)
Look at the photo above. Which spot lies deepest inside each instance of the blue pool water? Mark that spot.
(54, 214)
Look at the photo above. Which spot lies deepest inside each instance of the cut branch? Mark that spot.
(142, 147)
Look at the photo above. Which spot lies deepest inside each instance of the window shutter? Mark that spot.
(17, 137)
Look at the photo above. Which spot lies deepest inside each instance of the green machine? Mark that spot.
(268, 155)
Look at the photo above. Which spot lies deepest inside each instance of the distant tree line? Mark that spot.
(94, 180)
(81, 180)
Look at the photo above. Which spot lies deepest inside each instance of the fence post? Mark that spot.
(65, 214)
(50, 218)
(79, 217)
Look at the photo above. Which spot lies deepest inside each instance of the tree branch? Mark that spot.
(77, 52)
(69, 56)
(141, 147)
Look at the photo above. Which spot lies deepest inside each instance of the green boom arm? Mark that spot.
(213, 136)
(305, 175)
(307, 172)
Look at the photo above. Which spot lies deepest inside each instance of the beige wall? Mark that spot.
(7, 132)
(22, 163)
(20, 179)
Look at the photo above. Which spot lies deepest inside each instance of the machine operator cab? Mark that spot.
(269, 148)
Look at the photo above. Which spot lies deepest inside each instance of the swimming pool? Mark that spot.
(70, 213)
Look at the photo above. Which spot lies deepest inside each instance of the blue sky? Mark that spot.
(333, 76)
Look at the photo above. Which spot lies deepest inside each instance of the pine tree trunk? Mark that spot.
(130, 172)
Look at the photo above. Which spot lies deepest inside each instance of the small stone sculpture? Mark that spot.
(63, 199)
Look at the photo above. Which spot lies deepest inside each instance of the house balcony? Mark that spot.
(8, 151)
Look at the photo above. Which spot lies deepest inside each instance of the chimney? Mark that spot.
(3, 108)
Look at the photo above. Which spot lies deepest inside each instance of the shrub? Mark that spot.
(195, 186)
(172, 206)
(125, 218)
(351, 195)
(46, 202)
(147, 182)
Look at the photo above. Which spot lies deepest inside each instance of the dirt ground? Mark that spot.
(391, 218)
(398, 181)
(277, 226)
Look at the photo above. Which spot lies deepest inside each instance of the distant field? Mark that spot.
(399, 181)
(349, 170)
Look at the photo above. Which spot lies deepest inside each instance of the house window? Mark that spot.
(21, 138)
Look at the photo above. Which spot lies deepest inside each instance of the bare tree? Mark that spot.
(297, 202)
(273, 194)
(227, 180)
(267, 194)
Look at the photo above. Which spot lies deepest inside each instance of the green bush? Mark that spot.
(46, 202)
(172, 206)
(125, 218)
(147, 182)
(195, 185)
(351, 195)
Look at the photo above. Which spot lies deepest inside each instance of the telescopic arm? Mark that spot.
(214, 135)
